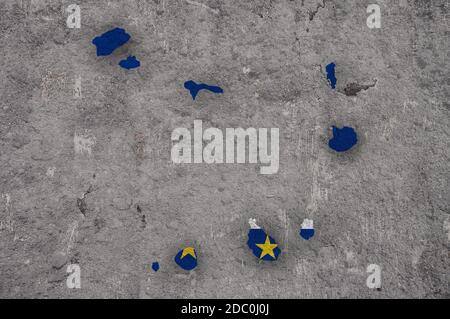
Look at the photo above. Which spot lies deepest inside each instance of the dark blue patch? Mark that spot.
(306, 233)
(130, 63)
(343, 139)
(258, 236)
(330, 68)
(187, 262)
(155, 266)
(111, 40)
(194, 88)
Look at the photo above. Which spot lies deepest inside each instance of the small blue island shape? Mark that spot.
(155, 266)
(194, 88)
(130, 63)
(330, 69)
(110, 40)
(343, 139)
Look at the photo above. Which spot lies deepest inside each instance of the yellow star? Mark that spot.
(188, 251)
(267, 248)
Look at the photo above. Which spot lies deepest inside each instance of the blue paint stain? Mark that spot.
(194, 88)
(155, 266)
(111, 40)
(130, 63)
(343, 139)
(306, 233)
(330, 68)
(257, 237)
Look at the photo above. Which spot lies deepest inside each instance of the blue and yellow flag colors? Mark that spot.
(263, 246)
(186, 258)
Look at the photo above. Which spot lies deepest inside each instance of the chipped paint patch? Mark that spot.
(77, 88)
(51, 171)
(8, 200)
(70, 238)
(389, 128)
(83, 143)
(416, 255)
(252, 223)
(8, 222)
(284, 219)
(447, 228)
(318, 194)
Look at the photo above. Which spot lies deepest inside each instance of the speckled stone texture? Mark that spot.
(86, 176)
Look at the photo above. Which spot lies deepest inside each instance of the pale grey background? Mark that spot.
(384, 202)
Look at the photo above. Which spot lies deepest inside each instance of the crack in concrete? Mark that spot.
(195, 3)
(81, 202)
(312, 14)
(143, 220)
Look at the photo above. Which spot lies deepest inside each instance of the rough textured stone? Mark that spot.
(114, 202)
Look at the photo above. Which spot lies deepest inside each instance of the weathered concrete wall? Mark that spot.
(86, 176)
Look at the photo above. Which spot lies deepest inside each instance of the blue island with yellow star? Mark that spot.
(186, 258)
(263, 246)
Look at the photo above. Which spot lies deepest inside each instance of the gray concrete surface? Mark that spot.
(117, 203)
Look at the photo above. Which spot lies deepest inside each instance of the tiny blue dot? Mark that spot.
(130, 63)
